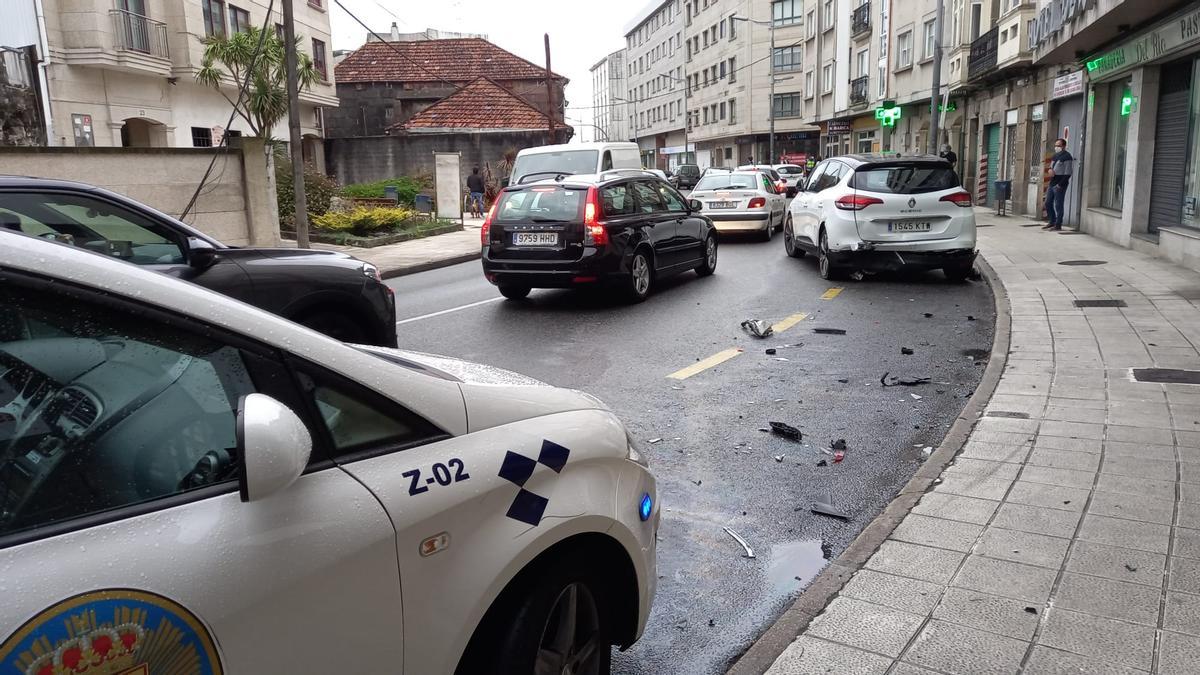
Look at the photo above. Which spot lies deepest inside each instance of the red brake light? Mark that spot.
(962, 199)
(487, 222)
(758, 202)
(856, 202)
(594, 233)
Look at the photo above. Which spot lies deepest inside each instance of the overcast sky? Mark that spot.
(580, 35)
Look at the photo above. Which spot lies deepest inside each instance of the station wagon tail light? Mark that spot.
(856, 202)
(962, 199)
(594, 233)
(486, 231)
(758, 202)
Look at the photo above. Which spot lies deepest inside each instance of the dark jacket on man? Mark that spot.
(475, 183)
(1063, 165)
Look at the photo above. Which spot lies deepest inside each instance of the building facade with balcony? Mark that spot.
(608, 90)
(1134, 68)
(655, 95)
(123, 72)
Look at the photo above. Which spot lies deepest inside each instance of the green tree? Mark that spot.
(228, 59)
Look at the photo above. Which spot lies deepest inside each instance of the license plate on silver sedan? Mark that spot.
(722, 205)
(535, 239)
(909, 226)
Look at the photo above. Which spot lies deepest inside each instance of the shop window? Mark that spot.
(866, 141)
(1112, 191)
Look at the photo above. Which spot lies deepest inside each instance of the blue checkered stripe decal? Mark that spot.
(517, 469)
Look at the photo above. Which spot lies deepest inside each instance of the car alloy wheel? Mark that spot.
(639, 276)
(789, 239)
(710, 253)
(571, 639)
(828, 271)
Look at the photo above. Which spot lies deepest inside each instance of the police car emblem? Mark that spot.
(517, 469)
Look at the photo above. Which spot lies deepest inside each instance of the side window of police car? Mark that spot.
(93, 224)
(103, 408)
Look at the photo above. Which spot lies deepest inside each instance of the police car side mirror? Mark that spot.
(695, 206)
(273, 445)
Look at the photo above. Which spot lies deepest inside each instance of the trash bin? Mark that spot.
(424, 204)
(1004, 189)
(391, 193)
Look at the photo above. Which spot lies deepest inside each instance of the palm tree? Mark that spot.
(230, 58)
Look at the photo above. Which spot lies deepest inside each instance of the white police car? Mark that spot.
(192, 485)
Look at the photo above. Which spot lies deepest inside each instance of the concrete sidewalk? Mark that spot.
(418, 255)
(1059, 540)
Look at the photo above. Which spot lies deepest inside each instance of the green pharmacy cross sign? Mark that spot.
(887, 115)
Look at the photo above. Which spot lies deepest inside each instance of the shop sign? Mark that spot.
(671, 150)
(1070, 84)
(838, 127)
(1176, 34)
(1053, 16)
(799, 159)
(1037, 113)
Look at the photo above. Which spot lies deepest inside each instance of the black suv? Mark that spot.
(687, 175)
(327, 291)
(625, 228)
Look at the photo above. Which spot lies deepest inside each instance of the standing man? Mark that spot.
(1062, 165)
(948, 154)
(476, 187)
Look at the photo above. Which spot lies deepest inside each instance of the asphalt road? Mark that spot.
(715, 467)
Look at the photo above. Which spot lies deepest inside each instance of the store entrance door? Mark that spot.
(991, 147)
(1068, 116)
(1170, 145)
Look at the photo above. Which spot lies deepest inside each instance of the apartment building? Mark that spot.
(608, 92)
(1132, 71)
(733, 49)
(654, 82)
(122, 72)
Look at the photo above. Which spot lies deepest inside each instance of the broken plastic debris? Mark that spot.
(677, 388)
(1129, 567)
(857, 275)
(916, 397)
(844, 381)
(903, 381)
(771, 351)
(839, 456)
(786, 430)
(1031, 610)
(823, 509)
(928, 315)
(780, 358)
(779, 458)
(758, 328)
(652, 441)
(712, 623)
(907, 351)
(927, 451)
(738, 539)
(839, 444)
(970, 318)
(830, 331)
(822, 463)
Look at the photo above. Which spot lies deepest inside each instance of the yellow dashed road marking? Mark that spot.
(701, 366)
(832, 293)
(789, 322)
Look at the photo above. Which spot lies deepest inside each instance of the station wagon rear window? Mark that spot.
(549, 204)
(543, 164)
(904, 179)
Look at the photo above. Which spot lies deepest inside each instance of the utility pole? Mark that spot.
(300, 200)
(549, 91)
(687, 115)
(771, 110)
(935, 97)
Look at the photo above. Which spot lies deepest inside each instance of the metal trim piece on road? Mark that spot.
(701, 366)
(448, 311)
(789, 322)
(832, 293)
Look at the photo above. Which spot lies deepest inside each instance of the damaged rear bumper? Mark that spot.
(866, 257)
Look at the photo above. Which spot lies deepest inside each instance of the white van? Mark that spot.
(575, 158)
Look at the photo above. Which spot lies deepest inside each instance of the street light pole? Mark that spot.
(936, 95)
(771, 110)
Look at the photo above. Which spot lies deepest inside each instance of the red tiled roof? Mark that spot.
(482, 104)
(455, 60)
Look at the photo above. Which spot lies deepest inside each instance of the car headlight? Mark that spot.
(632, 453)
(371, 271)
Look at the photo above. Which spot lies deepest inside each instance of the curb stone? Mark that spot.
(825, 586)
(394, 272)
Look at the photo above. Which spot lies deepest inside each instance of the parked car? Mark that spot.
(325, 290)
(741, 201)
(793, 175)
(776, 180)
(883, 212)
(191, 484)
(687, 175)
(622, 228)
(548, 161)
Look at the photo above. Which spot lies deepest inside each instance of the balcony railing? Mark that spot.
(860, 91)
(136, 33)
(860, 20)
(983, 54)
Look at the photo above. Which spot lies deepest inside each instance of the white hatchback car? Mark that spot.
(191, 485)
(741, 201)
(883, 212)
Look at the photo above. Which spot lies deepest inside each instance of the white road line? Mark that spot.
(449, 311)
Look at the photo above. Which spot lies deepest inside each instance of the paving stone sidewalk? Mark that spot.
(1067, 541)
(418, 255)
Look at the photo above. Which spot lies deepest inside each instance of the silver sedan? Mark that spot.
(741, 201)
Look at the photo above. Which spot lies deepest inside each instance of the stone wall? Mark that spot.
(20, 102)
(237, 205)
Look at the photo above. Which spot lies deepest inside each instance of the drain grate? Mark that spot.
(1083, 262)
(1166, 375)
(1008, 414)
(1100, 303)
